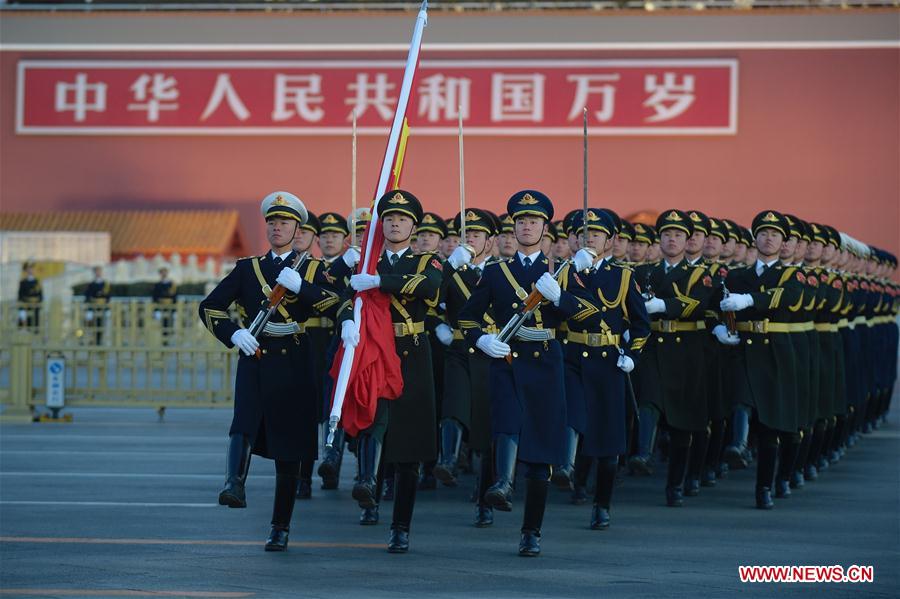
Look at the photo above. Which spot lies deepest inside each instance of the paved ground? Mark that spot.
(118, 504)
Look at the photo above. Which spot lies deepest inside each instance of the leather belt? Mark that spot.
(676, 326)
(594, 339)
(402, 329)
(320, 322)
(535, 334)
(764, 326)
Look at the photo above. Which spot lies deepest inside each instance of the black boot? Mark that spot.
(678, 458)
(484, 514)
(498, 495)
(369, 516)
(282, 509)
(237, 464)
(639, 463)
(330, 468)
(696, 462)
(797, 480)
(451, 440)
(713, 452)
(535, 504)
(765, 474)
(563, 476)
(428, 482)
(735, 454)
(790, 448)
(369, 456)
(812, 461)
(606, 477)
(304, 483)
(407, 478)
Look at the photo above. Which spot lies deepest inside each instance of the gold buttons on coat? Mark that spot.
(677, 339)
(471, 350)
(603, 309)
(660, 339)
(537, 354)
(603, 354)
(584, 354)
(749, 341)
(283, 352)
(515, 305)
(515, 355)
(405, 353)
(766, 341)
(265, 351)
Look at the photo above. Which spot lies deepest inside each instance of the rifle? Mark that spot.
(730, 323)
(532, 301)
(258, 325)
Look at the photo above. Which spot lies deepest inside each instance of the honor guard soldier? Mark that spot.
(549, 241)
(639, 247)
(562, 251)
(506, 237)
(764, 298)
(669, 378)
(96, 299)
(270, 419)
(431, 233)
(528, 405)
(467, 408)
(405, 426)
(604, 339)
(31, 294)
(451, 240)
(339, 264)
(165, 294)
(622, 241)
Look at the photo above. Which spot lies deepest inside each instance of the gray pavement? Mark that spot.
(119, 504)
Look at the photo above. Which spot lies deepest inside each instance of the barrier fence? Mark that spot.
(128, 353)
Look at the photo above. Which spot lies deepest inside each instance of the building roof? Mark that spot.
(148, 232)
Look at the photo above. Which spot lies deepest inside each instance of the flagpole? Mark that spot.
(390, 154)
(353, 187)
(462, 183)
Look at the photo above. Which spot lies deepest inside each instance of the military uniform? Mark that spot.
(164, 296)
(528, 409)
(611, 316)
(270, 419)
(467, 404)
(404, 426)
(670, 377)
(96, 298)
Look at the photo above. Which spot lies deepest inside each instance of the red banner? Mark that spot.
(297, 97)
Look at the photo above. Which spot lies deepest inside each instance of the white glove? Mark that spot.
(583, 259)
(351, 257)
(625, 364)
(549, 288)
(444, 334)
(655, 305)
(157, 315)
(245, 341)
(736, 302)
(23, 316)
(364, 282)
(724, 337)
(350, 333)
(459, 257)
(290, 279)
(89, 315)
(492, 346)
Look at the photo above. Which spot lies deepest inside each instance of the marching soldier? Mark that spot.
(31, 294)
(270, 420)
(451, 240)
(165, 294)
(339, 265)
(96, 296)
(506, 238)
(466, 406)
(597, 356)
(639, 247)
(405, 427)
(562, 250)
(764, 297)
(669, 378)
(528, 409)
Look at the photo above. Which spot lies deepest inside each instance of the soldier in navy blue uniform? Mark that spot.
(603, 342)
(31, 294)
(405, 426)
(165, 294)
(466, 407)
(96, 297)
(270, 419)
(528, 405)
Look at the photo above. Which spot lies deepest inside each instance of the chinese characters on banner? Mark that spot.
(496, 97)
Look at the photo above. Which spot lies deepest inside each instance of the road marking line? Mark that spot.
(108, 504)
(222, 542)
(119, 593)
(112, 475)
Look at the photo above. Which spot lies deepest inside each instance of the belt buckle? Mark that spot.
(399, 329)
(593, 339)
(668, 326)
(760, 326)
